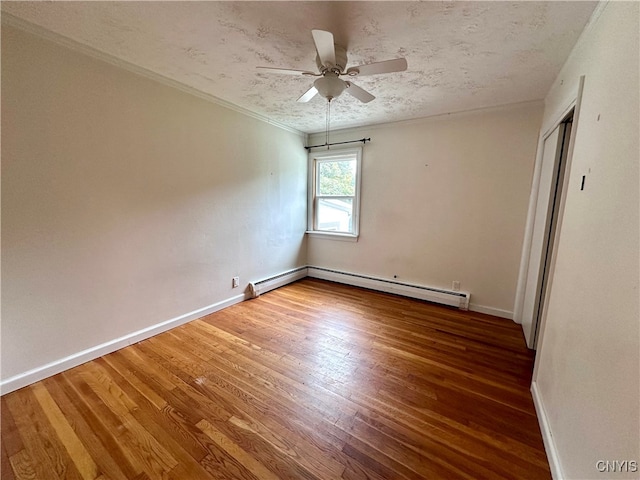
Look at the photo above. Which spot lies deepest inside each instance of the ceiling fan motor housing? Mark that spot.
(341, 61)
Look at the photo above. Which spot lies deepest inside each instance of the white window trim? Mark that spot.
(311, 189)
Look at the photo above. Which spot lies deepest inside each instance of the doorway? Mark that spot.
(554, 162)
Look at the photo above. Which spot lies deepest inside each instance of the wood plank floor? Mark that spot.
(314, 380)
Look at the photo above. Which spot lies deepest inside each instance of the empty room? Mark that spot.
(320, 240)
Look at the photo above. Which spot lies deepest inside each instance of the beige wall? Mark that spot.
(126, 203)
(588, 366)
(443, 199)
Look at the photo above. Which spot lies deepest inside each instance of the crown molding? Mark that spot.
(66, 42)
(418, 120)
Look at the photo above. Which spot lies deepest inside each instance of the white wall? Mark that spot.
(443, 199)
(126, 203)
(588, 367)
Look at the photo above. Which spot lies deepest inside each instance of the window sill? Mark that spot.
(344, 237)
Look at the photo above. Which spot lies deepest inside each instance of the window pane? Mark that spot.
(335, 215)
(337, 178)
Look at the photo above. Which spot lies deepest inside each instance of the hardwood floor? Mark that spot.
(314, 380)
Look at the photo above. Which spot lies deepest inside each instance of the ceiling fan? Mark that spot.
(332, 61)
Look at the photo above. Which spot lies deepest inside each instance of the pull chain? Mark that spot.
(328, 124)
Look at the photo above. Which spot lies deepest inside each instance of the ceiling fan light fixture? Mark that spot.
(329, 86)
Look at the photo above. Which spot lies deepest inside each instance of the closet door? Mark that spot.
(542, 228)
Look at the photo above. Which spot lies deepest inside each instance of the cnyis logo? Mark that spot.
(617, 466)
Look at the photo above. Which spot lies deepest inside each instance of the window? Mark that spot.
(334, 192)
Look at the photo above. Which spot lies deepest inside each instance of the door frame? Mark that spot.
(535, 339)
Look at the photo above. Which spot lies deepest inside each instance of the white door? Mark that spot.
(551, 154)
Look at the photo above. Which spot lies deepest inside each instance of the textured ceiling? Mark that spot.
(461, 55)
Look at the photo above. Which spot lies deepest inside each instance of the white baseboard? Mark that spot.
(547, 436)
(496, 312)
(444, 297)
(455, 299)
(58, 366)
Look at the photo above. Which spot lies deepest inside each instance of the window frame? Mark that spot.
(315, 158)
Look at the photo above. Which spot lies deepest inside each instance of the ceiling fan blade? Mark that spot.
(308, 95)
(288, 71)
(359, 93)
(388, 66)
(325, 47)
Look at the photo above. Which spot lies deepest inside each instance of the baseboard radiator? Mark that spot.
(262, 286)
(436, 295)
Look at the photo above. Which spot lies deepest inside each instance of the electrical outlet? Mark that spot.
(455, 286)
(235, 282)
